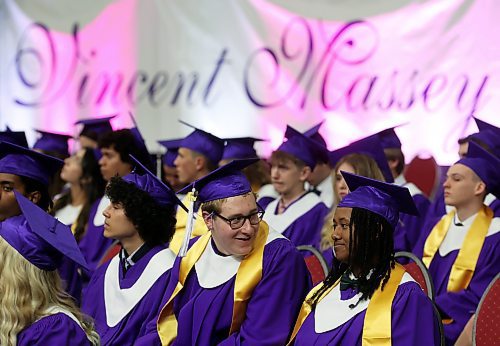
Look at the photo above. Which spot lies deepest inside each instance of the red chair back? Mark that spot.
(111, 252)
(424, 173)
(315, 263)
(416, 268)
(487, 320)
(314, 266)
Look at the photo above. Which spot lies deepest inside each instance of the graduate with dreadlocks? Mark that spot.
(374, 299)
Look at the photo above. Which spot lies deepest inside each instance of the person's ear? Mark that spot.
(34, 196)
(199, 162)
(305, 172)
(479, 188)
(209, 220)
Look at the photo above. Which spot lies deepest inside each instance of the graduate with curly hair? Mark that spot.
(124, 294)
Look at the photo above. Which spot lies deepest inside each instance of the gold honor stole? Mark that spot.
(180, 227)
(248, 276)
(377, 323)
(465, 263)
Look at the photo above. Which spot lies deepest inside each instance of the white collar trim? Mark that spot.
(52, 310)
(490, 198)
(401, 181)
(332, 312)
(326, 188)
(280, 222)
(455, 236)
(119, 302)
(267, 191)
(214, 270)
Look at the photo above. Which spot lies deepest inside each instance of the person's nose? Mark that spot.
(336, 234)
(105, 212)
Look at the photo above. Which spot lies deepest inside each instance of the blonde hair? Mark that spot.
(26, 292)
(363, 165)
(216, 205)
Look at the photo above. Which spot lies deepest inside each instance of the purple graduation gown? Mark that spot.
(71, 279)
(413, 322)
(138, 326)
(57, 329)
(461, 305)
(301, 227)
(204, 314)
(93, 246)
(409, 227)
(266, 195)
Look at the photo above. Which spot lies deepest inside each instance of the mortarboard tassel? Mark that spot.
(189, 223)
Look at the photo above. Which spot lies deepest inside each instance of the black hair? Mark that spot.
(93, 185)
(371, 251)
(31, 185)
(123, 142)
(56, 184)
(154, 222)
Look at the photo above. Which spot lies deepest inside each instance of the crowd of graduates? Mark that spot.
(206, 253)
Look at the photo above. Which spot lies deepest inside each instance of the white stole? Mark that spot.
(119, 302)
(280, 222)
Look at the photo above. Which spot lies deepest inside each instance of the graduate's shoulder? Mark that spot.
(409, 288)
(278, 246)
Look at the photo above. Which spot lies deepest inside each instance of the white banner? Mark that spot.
(248, 68)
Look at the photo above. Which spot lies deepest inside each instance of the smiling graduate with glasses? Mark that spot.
(238, 221)
(241, 282)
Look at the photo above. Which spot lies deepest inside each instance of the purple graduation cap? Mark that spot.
(204, 143)
(484, 126)
(240, 148)
(384, 199)
(485, 165)
(53, 142)
(140, 142)
(301, 147)
(314, 134)
(15, 137)
(96, 127)
(39, 237)
(149, 183)
(389, 139)
(488, 134)
(368, 146)
(172, 146)
(28, 163)
(224, 182)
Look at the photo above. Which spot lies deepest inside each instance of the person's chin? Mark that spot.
(106, 233)
(449, 201)
(105, 175)
(242, 250)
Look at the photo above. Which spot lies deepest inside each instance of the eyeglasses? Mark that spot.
(239, 221)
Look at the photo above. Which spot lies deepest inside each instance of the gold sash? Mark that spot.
(463, 268)
(377, 323)
(180, 227)
(248, 276)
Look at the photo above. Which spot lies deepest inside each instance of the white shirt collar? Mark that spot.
(400, 180)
